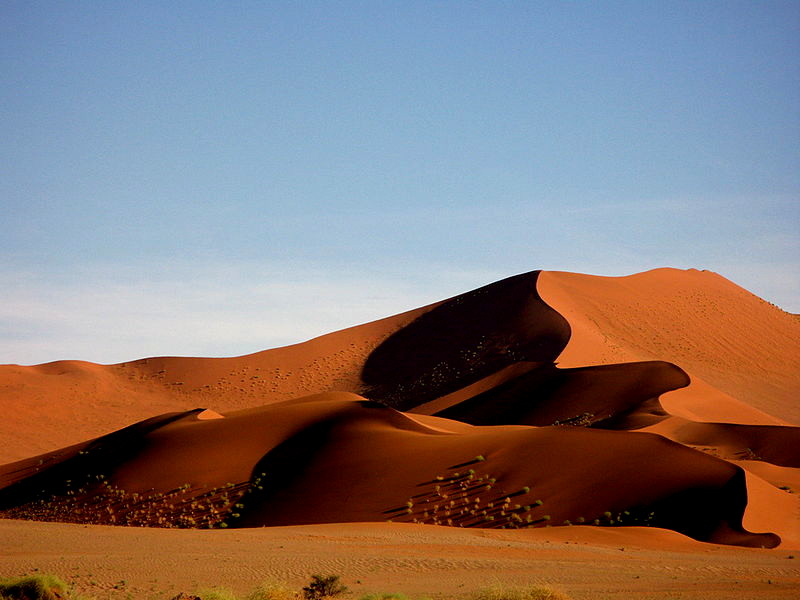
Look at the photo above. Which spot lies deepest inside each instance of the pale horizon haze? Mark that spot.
(215, 179)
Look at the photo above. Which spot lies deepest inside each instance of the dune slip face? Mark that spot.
(526, 404)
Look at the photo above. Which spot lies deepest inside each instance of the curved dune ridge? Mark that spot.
(528, 403)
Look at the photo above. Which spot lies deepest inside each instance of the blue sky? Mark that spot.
(216, 178)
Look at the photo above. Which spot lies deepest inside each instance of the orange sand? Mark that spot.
(666, 398)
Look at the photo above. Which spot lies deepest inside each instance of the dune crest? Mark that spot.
(714, 329)
(541, 399)
(315, 461)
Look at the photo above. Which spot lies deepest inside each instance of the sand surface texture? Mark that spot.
(418, 560)
(657, 411)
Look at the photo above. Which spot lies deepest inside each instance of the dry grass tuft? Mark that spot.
(216, 593)
(534, 592)
(36, 587)
(270, 590)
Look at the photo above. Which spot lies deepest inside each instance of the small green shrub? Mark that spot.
(321, 586)
(216, 594)
(270, 590)
(36, 587)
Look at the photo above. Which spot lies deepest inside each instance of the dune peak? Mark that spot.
(657, 399)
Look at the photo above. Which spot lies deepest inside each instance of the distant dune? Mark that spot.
(666, 399)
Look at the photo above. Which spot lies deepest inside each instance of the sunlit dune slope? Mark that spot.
(338, 458)
(38, 401)
(709, 326)
(581, 392)
(432, 358)
(402, 360)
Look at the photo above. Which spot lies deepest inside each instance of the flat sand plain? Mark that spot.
(418, 560)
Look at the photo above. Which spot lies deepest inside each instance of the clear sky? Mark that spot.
(217, 178)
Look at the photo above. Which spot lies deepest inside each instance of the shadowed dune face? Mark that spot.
(597, 396)
(496, 329)
(54, 473)
(340, 459)
(464, 339)
(477, 448)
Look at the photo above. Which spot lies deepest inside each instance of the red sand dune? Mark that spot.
(620, 431)
(336, 457)
(713, 329)
(95, 399)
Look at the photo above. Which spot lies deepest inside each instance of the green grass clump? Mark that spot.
(534, 592)
(216, 594)
(270, 590)
(36, 587)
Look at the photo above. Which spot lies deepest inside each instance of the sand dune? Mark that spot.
(773, 444)
(603, 396)
(665, 399)
(319, 459)
(96, 399)
(714, 329)
(463, 340)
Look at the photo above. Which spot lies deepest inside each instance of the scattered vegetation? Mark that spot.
(216, 594)
(536, 592)
(582, 420)
(462, 498)
(99, 502)
(468, 499)
(36, 587)
(472, 499)
(323, 586)
(635, 517)
(95, 500)
(748, 454)
(270, 590)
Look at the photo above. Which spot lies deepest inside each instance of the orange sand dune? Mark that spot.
(599, 396)
(95, 399)
(403, 360)
(339, 458)
(783, 478)
(775, 444)
(673, 354)
(709, 326)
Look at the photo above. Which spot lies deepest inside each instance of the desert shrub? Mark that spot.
(270, 590)
(391, 596)
(326, 586)
(36, 587)
(534, 592)
(216, 593)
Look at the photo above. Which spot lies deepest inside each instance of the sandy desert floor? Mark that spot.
(418, 560)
